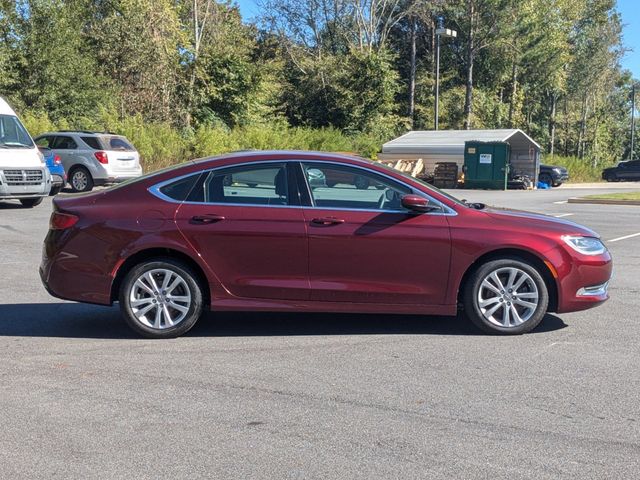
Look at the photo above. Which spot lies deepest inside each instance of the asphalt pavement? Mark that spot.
(279, 396)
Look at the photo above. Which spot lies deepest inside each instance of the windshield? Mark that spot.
(13, 134)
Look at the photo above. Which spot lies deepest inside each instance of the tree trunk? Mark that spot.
(514, 88)
(583, 127)
(552, 123)
(412, 73)
(471, 52)
(566, 127)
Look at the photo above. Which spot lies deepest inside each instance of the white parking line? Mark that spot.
(563, 215)
(625, 237)
(561, 202)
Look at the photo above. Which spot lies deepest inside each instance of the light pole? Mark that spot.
(633, 119)
(447, 33)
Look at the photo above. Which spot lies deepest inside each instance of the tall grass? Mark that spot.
(161, 144)
(580, 169)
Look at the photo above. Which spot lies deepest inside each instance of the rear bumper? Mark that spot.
(117, 178)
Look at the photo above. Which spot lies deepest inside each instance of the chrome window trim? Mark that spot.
(155, 190)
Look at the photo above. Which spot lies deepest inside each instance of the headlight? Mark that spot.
(557, 170)
(585, 245)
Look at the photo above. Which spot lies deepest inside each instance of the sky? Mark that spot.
(629, 9)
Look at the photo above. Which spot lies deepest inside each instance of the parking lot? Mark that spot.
(320, 396)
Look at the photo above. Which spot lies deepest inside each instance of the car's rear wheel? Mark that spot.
(506, 296)
(161, 298)
(31, 202)
(81, 180)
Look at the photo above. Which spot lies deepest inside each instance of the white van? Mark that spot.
(23, 173)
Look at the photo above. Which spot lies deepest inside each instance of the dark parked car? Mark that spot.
(56, 169)
(176, 242)
(552, 175)
(625, 170)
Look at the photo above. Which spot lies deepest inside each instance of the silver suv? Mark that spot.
(93, 158)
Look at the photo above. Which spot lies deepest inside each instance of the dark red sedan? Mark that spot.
(267, 231)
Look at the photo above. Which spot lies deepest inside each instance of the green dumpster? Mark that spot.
(486, 164)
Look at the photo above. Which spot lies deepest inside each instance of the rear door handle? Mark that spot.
(206, 219)
(327, 221)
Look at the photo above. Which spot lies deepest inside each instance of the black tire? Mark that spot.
(191, 283)
(80, 180)
(31, 202)
(471, 292)
(545, 178)
(611, 177)
(55, 190)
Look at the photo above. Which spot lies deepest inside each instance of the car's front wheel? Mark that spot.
(611, 177)
(506, 296)
(161, 298)
(31, 202)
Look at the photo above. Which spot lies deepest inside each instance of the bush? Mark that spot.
(161, 144)
(580, 169)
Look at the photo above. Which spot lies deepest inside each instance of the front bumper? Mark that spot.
(560, 177)
(582, 280)
(10, 189)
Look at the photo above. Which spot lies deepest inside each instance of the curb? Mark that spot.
(602, 201)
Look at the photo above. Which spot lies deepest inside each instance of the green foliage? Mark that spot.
(190, 77)
(580, 169)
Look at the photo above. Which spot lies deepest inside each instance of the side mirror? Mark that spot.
(419, 204)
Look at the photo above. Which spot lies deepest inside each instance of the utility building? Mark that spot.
(435, 146)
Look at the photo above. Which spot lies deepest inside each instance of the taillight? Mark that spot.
(56, 159)
(101, 157)
(62, 221)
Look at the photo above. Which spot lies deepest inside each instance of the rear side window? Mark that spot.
(64, 143)
(92, 142)
(116, 142)
(180, 189)
(246, 185)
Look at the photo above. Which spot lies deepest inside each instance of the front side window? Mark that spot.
(44, 142)
(247, 185)
(338, 186)
(13, 134)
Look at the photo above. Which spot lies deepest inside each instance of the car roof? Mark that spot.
(258, 155)
(5, 108)
(77, 132)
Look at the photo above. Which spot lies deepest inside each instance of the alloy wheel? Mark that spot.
(160, 298)
(508, 297)
(79, 180)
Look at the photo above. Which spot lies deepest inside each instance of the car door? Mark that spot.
(247, 224)
(632, 170)
(67, 149)
(364, 247)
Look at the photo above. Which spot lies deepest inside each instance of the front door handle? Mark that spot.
(206, 219)
(327, 221)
